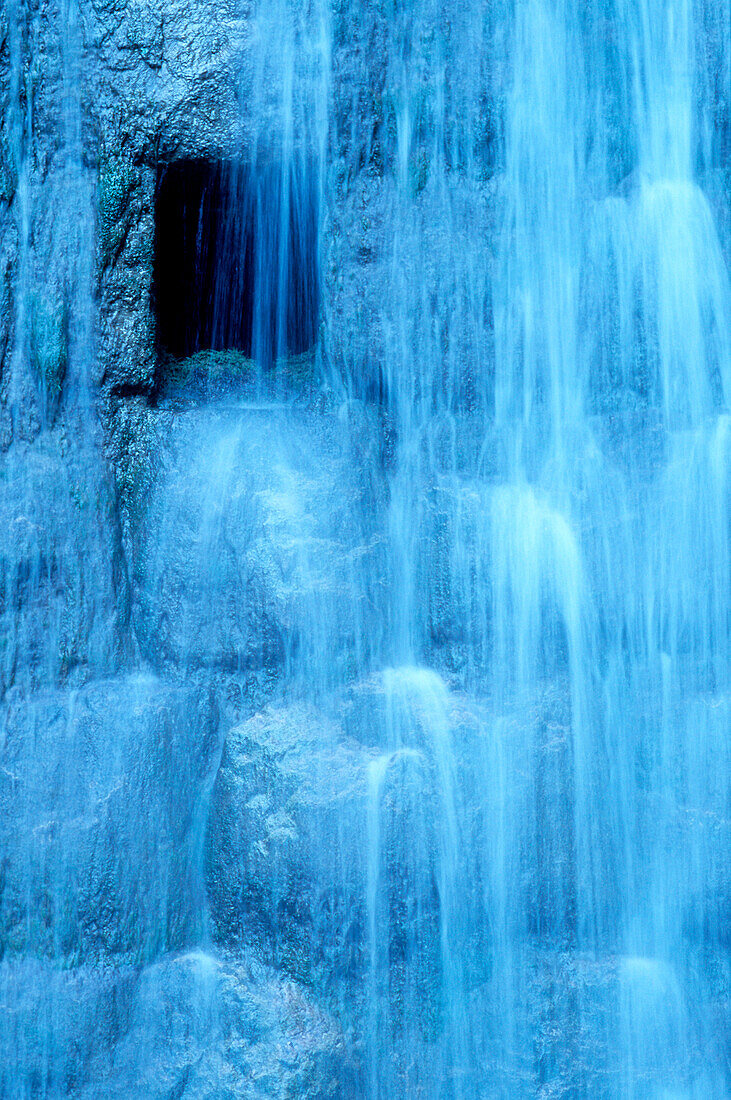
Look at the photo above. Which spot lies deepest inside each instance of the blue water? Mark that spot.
(423, 702)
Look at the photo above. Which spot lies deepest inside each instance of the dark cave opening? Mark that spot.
(236, 259)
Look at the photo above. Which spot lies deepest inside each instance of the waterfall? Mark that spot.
(365, 594)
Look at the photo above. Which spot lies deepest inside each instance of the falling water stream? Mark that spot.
(429, 667)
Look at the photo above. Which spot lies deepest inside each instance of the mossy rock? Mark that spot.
(298, 370)
(8, 176)
(134, 443)
(222, 370)
(116, 183)
(209, 366)
(49, 344)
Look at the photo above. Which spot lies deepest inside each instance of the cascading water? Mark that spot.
(365, 663)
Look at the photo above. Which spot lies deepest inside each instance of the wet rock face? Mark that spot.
(246, 537)
(340, 846)
(115, 89)
(285, 862)
(57, 1020)
(218, 1027)
(324, 838)
(64, 603)
(213, 546)
(100, 797)
(190, 1025)
(224, 839)
(172, 61)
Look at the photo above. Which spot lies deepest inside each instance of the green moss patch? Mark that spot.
(49, 344)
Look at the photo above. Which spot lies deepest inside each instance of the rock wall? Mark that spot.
(358, 707)
(165, 567)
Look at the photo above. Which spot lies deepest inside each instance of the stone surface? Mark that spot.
(64, 600)
(285, 854)
(102, 792)
(216, 1028)
(247, 544)
(194, 1025)
(402, 849)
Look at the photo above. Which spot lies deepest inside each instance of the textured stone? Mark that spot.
(285, 852)
(247, 544)
(193, 1025)
(63, 598)
(102, 792)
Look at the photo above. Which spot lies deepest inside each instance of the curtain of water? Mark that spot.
(555, 369)
(557, 376)
(503, 627)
